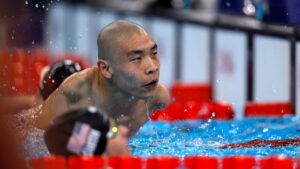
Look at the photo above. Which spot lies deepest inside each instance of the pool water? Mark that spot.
(210, 137)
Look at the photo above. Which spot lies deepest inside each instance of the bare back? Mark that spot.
(85, 89)
(75, 92)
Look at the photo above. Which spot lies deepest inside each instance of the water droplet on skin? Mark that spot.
(26, 2)
(53, 81)
(12, 37)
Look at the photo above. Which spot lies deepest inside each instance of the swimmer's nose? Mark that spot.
(152, 70)
(152, 66)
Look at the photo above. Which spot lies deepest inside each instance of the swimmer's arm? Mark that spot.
(48, 110)
(60, 101)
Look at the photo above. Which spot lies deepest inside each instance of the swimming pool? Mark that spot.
(219, 138)
(206, 144)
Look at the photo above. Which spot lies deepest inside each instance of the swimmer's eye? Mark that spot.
(136, 59)
(154, 53)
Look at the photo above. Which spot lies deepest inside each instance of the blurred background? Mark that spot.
(236, 50)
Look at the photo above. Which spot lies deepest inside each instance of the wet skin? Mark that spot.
(125, 85)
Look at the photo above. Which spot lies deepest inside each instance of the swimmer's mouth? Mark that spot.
(152, 85)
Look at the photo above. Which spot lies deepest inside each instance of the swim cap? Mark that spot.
(78, 132)
(57, 73)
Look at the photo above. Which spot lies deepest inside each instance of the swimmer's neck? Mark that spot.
(112, 99)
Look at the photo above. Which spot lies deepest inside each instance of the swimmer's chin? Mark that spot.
(147, 98)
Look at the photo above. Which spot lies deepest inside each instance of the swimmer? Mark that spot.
(124, 83)
(86, 131)
(52, 76)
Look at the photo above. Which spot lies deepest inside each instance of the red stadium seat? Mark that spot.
(4, 76)
(19, 73)
(39, 60)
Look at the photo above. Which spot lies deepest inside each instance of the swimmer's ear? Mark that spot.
(105, 68)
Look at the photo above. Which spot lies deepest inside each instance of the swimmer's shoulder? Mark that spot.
(80, 79)
(161, 97)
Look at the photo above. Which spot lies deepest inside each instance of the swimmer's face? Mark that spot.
(136, 65)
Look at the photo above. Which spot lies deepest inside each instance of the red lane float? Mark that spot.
(49, 162)
(268, 109)
(203, 162)
(182, 92)
(238, 162)
(165, 162)
(276, 162)
(297, 163)
(85, 162)
(162, 162)
(194, 111)
(124, 162)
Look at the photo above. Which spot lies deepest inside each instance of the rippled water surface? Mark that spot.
(184, 138)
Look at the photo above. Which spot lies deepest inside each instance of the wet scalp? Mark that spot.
(109, 36)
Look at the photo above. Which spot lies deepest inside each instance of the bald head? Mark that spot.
(111, 34)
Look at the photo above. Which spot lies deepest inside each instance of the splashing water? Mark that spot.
(149, 119)
(31, 138)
